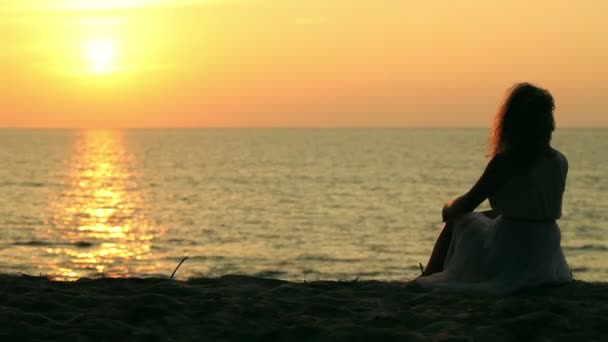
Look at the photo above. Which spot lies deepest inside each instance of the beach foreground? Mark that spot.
(241, 308)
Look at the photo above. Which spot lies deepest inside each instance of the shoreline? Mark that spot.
(244, 308)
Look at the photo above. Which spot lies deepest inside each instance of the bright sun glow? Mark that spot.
(101, 55)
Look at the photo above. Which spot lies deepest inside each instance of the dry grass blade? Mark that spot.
(178, 265)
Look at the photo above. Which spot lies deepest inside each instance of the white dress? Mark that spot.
(518, 249)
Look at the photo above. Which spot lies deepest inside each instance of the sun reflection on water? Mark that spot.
(99, 224)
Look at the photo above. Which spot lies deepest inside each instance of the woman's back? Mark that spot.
(534, 191)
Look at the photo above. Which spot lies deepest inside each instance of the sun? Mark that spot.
(101, 55)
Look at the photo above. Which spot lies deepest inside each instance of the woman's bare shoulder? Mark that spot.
(555, 153)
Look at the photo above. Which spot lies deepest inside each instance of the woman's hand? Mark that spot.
(448, 213)
(452, 210)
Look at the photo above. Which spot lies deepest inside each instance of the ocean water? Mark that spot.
(297, 204)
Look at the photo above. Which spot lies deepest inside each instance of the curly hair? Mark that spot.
(524, 123)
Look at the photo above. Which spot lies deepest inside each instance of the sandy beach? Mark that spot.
(241, 308)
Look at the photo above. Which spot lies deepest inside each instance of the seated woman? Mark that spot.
(516, 244)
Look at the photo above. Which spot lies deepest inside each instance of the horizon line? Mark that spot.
(273, 127)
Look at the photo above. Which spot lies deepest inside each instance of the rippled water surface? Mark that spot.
(297, 204)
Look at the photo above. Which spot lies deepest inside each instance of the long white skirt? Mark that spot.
(501, 256)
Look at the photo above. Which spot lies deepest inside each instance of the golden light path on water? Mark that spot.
(99, 217)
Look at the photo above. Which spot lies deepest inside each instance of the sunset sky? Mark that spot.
(313, 63)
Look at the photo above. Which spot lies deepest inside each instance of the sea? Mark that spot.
(294, 204)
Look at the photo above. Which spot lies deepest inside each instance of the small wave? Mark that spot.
(32, 184)
(204, 258)
(23, 184)
(408, 267)
(82, 215)
(269, 274)
(24, 222)
(324, 258)
(38, 243)
(586, 248)
(182, 242)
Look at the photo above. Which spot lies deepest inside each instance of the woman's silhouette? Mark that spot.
(517, 243)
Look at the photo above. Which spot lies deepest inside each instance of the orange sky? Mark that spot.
(235, 63)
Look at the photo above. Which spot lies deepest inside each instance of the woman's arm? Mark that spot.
(496, 174)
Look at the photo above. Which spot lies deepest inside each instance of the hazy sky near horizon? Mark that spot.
(345, 63)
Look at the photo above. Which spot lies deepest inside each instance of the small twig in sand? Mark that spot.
(421, 268)
(178, 265)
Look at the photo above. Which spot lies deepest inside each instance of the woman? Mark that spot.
(516, 244)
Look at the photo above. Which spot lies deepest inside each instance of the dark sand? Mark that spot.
(239, 308)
